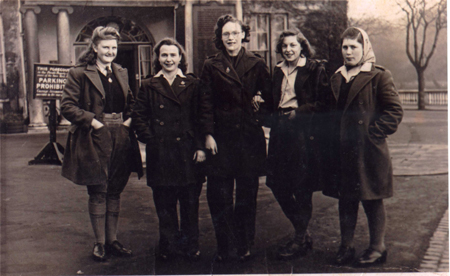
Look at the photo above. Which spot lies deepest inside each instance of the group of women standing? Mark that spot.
(326, 134)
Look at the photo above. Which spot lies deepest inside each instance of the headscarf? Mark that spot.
(365, 64)
(368, 54)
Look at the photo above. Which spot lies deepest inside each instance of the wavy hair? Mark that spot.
(169, 41)
(224, 19)
(352, 33)
(100, 33)
(307, 50)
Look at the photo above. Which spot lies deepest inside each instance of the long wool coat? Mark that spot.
(166, 119)
(297, 146)
(83, 100)
(372, 112)
(230, 118)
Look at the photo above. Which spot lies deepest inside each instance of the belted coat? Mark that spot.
(230, 117)
(372, 112)
(166, 119)
(83, 100)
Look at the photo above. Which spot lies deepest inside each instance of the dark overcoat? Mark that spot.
(297, 147)
(166, 119)
(230, 118)
(83, 100)
(372, 112)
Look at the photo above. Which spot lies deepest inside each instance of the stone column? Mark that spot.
(63, 33)
(36, 110)
(63, 37)
(239, 12)
(189, 34)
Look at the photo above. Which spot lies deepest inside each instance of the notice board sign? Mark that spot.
(49, 80)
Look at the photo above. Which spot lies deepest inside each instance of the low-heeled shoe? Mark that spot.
(295, 248)
(221, 257)
(244, 255)
(99, 253)
(345, 255)
(194, 256)
(370, 257)
(117, 249)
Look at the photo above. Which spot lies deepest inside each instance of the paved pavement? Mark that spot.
(45, 228)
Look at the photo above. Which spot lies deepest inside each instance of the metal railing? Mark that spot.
(432, 97)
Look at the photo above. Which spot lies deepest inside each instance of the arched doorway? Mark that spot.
(135, 47)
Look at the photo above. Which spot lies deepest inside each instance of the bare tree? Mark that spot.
(422, 20)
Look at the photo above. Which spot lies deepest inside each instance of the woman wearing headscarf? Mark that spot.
(366, 110)
(166, 120)
(101, 150)
(299, 88)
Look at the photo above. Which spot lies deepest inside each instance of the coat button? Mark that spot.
(178, 139)
(161, 124)
(238, 125)
(161, 140)
(361, 102)
(311, 138)
(360, 122)
(161, 106)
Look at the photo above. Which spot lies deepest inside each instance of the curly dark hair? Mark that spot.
(169, 41)
(224, 19)
(100, 33)
(307, 50)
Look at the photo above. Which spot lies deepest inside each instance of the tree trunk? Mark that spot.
(421, 94)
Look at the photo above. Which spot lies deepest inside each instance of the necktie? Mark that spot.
(108, 74)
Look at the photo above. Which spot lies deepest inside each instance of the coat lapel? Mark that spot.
(92, 74)
(277, 81)
(336, 81)
(221, 63)
(161, 86)
(180, 85)
(247, 61)
(358, 84)
(122, 76)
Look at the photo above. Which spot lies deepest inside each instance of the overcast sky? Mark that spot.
(378, 8)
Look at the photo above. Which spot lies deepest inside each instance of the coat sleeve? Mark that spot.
(206, 113)
(264, 85)
(320, 86)
(141, 114)
(72, 106)
(130, 104)
(389, 109)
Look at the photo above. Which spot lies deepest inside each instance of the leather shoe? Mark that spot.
(221, 257)
(345, 255)
(194, 256)
(244, 255)
(295, 248)
(370, 257)
(98, 253)
(117, 249)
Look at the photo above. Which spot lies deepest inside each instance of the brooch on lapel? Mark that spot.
(228, 70)
(182, 84)
(110, 80)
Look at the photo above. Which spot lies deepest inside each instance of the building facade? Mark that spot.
(57, 32)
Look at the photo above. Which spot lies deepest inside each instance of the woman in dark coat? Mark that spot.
(300, 86)
(232, 79)
(366, 110)
(166, 119)
(101, 149)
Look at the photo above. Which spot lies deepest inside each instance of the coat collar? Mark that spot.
(221, 63)
(360, 81)
(278, 76)
(120, 73)
(161, 86)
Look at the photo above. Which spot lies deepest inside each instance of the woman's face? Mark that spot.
(169, 57)
(291, 49)
(106, 50)
(352, 51)
(232, 36)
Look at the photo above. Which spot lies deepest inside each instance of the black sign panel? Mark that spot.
(49, 80)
